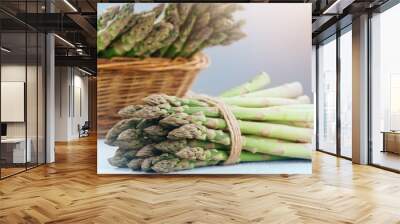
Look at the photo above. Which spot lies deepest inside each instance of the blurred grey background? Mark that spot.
(278, 42)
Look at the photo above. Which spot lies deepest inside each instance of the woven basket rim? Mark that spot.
(198, 61)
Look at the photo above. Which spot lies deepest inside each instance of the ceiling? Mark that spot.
(75, 22)
(332, 15)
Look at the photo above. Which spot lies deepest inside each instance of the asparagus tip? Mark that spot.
(165, 166)
(188, 131)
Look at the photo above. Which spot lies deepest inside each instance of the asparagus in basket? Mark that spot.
(193, 27)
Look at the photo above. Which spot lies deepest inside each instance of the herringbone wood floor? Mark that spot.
(69, 191)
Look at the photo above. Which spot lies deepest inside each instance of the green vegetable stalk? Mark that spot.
(198, 153)
(115, 26)
(208, 158)
(289, 90)
(256, 83)
(107, 16)
(137, 33)
(255, 102)
(154, 40)
(251, 143)
(278, 131)
(185, 31)
(303, 113)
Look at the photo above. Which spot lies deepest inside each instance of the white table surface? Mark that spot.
(19, 149)
(273, 167)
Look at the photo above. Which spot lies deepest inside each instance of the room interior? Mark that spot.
(334, 59)
(356, 163)
(27, 96)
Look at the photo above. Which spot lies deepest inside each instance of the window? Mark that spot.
(327, 96)
(22, 78)
(385, 89)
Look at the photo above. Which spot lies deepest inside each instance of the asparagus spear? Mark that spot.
(122, 157)
(195, 41)
(107, 16)
(251, 143)
(198, 153)
(256, 83)
(183, 11)
(119, 127)
(157, 99)
(147, 163)
(224, 10)
(157, 10)
(229, 9)
(115, 26)
(202, 21)
(233, 37)
(175, 164)
(296, 123)
(118, 161)
(277, 113)
(290, 90)
(135, 164)
(201, 8)
(278, 131)
(243, 101)
(255, 102)
(137, 33)
(173, 35)
(193, 31)
(156, 130)
(172, 14)
(214, 157)
(173, 146)
(147, 151)
(223, 36)
(153, 41)
(130, 139)
(215, 39)
(185, 31)
(200, 34)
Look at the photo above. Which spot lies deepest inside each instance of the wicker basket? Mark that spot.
(125, 81)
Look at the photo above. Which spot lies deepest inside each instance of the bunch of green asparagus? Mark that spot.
(167, 133)
(172, 30)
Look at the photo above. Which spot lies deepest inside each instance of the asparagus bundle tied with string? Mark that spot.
(168, 133)
(169, 30)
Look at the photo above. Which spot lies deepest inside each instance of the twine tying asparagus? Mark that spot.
(232, 126)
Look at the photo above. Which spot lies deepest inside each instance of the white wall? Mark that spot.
(70, 83)
(33, 126)
(61, 103)
(16, 73)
